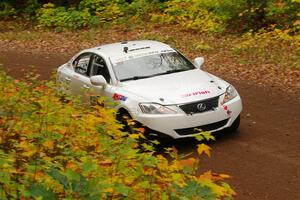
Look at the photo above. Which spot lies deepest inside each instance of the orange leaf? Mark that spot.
(106, 163)
(49, 144)
(71, 165)
(187, 162)
(206, 176)
(224, 176)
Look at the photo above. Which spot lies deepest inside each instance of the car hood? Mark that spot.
(176, 88)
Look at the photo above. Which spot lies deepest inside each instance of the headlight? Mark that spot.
(154, 108)
(230, 94)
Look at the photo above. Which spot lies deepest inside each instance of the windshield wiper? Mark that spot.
(166, 72)
(176, 70)
(173, 71)
(135, 78)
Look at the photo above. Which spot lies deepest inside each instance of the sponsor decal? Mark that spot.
(119, 60)
(227, 110)
(196, 93)
(119, 97)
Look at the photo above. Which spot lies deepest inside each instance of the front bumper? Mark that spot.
(179, 125)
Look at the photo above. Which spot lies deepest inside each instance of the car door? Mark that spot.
(79, 79)
(99, 67)
(72, 76)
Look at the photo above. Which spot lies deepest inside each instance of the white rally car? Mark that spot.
(155, 85)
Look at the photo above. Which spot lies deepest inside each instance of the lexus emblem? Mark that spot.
(201, 107)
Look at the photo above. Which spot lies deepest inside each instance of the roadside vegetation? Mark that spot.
(60, 149)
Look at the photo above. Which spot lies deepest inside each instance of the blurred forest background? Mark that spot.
(199, 15)
(263, 32)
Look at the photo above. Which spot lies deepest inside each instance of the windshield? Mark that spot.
(151, 65)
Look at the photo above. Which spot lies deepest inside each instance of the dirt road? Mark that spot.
(263, 157)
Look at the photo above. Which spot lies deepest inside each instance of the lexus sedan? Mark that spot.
(156, 86)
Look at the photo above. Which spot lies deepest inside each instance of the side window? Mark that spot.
(99, 67)
(81, 64)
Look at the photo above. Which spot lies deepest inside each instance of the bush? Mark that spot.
(199, 15)
(53, 149)
(6, 10)
(143, 9)
(268, 45)
(195, 17)
(106, 10)
(31, 7)
(259, 14)
(92, 13)
(51, 16)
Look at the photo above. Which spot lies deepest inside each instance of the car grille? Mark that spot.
(207, 127)
(195, 107)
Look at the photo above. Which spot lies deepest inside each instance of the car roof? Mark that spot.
(140, 46)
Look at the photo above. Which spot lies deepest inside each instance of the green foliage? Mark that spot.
(198, 15)
(259, 14)
(195, 17)
(60, 149)
(142, 9)
(51, 16)
(31, 7)
(93, 12)
(216, 15)
(6, 10)
(106, 10)
(268, 45)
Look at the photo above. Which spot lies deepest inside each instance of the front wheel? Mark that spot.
(235, 125)
(129, 124)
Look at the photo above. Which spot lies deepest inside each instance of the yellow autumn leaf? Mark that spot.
(49, 144)
(134, 136)
(110, 190)
(130, 122)
(203, 148)
(24, 144)
(224, 176)
(29, 152)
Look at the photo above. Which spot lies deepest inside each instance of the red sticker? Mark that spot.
(119, 97)
(196, 93)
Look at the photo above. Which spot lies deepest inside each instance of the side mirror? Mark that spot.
(98, 80)
(198, 62)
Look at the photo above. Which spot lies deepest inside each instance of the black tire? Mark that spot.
(123, 118)
(235, 125)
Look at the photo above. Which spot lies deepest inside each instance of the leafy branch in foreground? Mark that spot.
(53, 149)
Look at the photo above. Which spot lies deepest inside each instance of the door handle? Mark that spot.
(86, 86)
